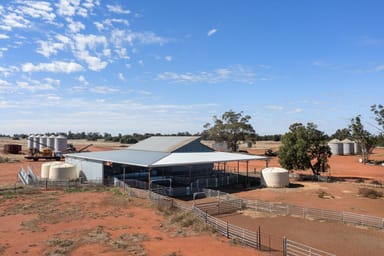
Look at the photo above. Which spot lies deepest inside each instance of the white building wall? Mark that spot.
(93, 171)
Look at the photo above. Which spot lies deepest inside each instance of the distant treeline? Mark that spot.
(130, 138)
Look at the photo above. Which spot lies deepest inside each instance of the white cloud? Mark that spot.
(103, 89)
(67, 7)
(75, 26)
(83, 43)
(94, 63)
(236, 73)
(83, 80)
(379, 68)
(119, 36)
(296, 110)
(47, 48)
(8, 70)
(55, 67)
(36, 9)
(117, 9)
(33, 85)
(212, 31)
(4, 36)
(275, 107)
(13, 20)
(168, 58)
(121, 77)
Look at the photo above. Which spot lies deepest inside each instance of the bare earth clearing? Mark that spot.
(106, 223)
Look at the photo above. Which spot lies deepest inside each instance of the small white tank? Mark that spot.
(45, 167)
(275, 177)
(63, 171)
(60, 144)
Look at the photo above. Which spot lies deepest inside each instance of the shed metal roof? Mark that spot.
(158, 159)
(123, 156)
(163, 143)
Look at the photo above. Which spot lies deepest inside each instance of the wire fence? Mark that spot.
(226, 203)
(304, 212)
(292, 248)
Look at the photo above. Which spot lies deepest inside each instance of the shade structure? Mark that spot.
(203, 158)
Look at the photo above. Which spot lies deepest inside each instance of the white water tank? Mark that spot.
(275, 177)
(336, 147)
(356, 148)
(63, 171)
(45, 167)
(60, 144)
(51, 142)
(348, 147)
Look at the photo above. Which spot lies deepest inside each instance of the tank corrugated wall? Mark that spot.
(51, 142)
(30, 141)
(60, 144)
(336, 148)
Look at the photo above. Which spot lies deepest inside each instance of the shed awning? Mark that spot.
(175, 159)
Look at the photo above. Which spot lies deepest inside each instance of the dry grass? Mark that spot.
(370, 193)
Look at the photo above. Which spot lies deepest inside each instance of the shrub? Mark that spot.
(370, 193)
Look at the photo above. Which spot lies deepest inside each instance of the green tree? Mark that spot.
(304, 147)
(232, 127)
(363, 138)
(342, 134)
(378, 110)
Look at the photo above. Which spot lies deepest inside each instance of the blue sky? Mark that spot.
(170, 66)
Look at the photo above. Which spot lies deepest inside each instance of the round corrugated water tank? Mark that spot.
(336, 147)
(356, 148)
(60, 143)
(275, 177)
(51, 142)
(44, 174)
(348, 147)
(30, 141)
(63, 171)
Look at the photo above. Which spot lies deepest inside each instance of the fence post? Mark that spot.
(284, 246)
(206, 216)
(227, 230)
(259, 237)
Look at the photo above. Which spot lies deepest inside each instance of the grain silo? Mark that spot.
(30, 141)
(36, 142)
(43, 142)
(336, 147)
(63, 171)
(60, 144)
(348, 147)
(275, 177)
(51, 142)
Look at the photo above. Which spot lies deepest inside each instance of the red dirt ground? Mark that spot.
(88, 223)
(94, 223)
